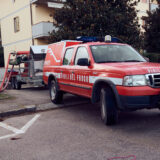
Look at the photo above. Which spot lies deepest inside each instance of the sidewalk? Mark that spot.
(32, 100)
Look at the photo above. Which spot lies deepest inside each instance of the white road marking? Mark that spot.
(25, 127)
(18, 131)
(9, 136)
(6, 126)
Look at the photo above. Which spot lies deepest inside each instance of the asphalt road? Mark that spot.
(77, 133)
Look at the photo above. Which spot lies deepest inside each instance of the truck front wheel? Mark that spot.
(55, 95)
(109, 113)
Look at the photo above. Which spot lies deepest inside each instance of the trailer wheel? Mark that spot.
(13, 83)
(109, 113)
(17, 84)
(55, 95)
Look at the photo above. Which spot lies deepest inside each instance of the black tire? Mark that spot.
(109, 113)
(13, 83)
(18, 85)
(56, 96)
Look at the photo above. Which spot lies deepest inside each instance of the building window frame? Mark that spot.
(16, 24)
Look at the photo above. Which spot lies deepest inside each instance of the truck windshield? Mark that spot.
(115, 53)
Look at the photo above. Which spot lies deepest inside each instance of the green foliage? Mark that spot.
(98, 18)
(152, 31)
(153, 57)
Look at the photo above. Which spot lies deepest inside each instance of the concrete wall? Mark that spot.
(41, 13)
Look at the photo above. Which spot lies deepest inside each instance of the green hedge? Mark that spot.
(153, 57)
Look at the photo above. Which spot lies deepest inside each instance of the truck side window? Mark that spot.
(68, 56)
(81, 53)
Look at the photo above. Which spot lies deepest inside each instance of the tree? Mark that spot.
(97, 18)
(152, 31)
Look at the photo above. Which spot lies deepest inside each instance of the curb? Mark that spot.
(38, 108)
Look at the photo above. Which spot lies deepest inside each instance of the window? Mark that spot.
(81, 53)
(115, 53)
(68, 56)
(16, 24)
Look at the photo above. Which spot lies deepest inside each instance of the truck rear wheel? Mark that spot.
(55, 95)
(109, 113)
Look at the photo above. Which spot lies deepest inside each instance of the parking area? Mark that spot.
(29, 96)
(77, 133)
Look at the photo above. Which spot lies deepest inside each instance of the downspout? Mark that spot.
(31, 21)
(149, 5)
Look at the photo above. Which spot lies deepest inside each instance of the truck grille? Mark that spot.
(154, 80)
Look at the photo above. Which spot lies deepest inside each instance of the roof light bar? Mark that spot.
(107, 38)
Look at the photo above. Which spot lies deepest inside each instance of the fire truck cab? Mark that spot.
(111, 73)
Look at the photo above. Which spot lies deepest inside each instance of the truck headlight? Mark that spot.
(136, 80)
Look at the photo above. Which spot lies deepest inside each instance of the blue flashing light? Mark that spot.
(90, 39)
(116, 40)
(85, 39)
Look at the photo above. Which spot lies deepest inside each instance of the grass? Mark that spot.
(4, 96)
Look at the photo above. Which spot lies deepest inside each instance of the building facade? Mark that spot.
(144, 6)
(27, 22)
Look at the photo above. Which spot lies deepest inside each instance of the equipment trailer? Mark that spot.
(30, 67)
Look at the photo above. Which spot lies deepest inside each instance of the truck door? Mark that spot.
(65, 70)
(81, 73)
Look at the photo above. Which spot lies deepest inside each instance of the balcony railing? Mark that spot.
(42, 29)
(50, 3)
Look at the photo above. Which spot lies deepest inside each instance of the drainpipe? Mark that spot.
(149, 5)
(31, 21)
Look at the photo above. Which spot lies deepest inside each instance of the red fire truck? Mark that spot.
(111, 73)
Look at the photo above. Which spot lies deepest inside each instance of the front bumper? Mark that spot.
(133, 98)
(139, 102)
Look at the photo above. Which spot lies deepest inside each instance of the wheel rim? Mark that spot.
(53, 91)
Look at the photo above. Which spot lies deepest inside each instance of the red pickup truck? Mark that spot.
(114, 74)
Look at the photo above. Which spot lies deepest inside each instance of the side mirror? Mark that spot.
(83, 62)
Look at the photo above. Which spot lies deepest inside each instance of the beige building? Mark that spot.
(27, 22)
(143, 7)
